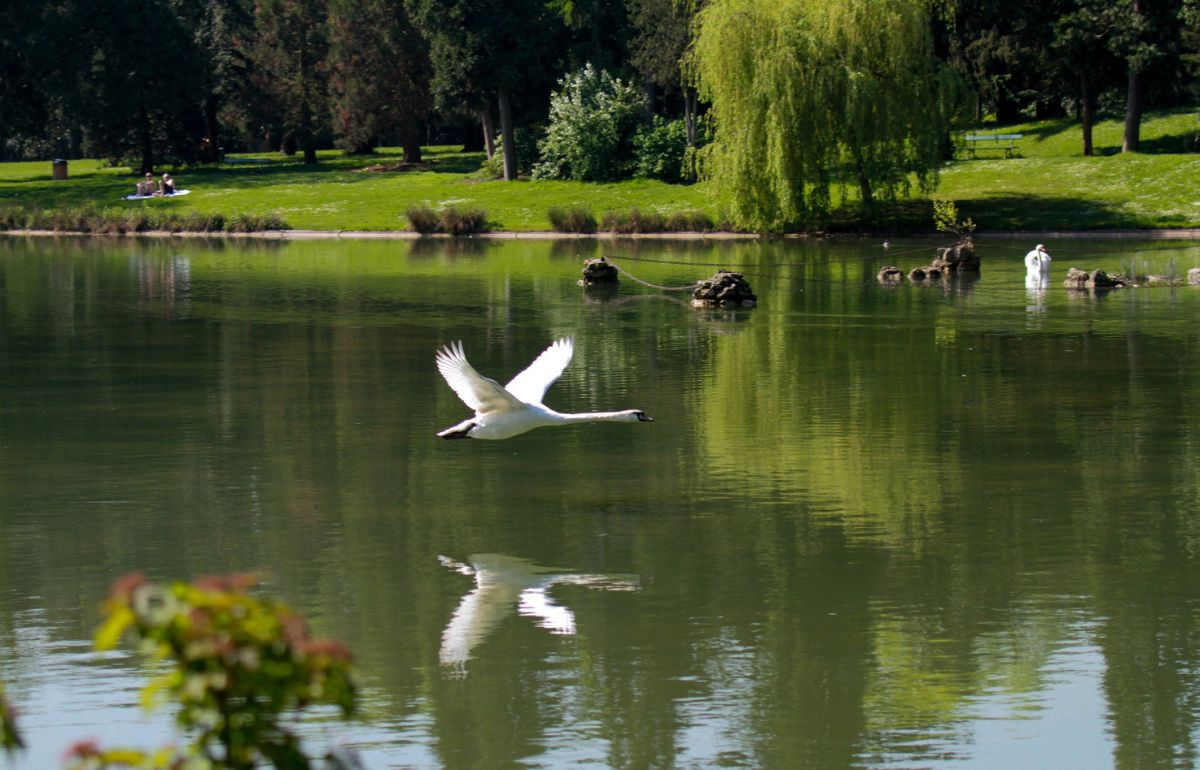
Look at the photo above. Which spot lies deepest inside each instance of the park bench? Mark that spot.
(1005, 142)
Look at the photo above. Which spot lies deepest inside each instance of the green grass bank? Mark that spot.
(1048, 185)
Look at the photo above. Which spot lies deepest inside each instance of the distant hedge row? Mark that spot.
(453, 220)
(90, 219)
(576, 219)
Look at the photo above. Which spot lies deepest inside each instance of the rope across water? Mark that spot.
(734, 267)
(633, 277)
(753, 269)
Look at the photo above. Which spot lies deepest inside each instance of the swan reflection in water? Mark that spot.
(504, 583)
(1036, 283)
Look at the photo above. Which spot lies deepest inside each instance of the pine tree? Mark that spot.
(379, 73)
(484, 50)
(288, 56)
(215, 26)
(136, 86)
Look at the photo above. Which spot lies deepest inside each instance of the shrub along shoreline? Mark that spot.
(89, 220)
(1157, 234)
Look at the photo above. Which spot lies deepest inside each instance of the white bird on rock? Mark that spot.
(504, 412)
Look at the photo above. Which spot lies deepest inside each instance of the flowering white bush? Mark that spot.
(593, 117)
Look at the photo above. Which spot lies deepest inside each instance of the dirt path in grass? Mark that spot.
(306, 235)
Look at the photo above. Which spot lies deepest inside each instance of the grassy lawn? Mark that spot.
(337, 195)
(1048, 186)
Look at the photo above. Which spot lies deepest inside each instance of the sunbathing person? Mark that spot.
(146, 186)
(167, 186)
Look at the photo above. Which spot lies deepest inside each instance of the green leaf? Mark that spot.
(111, 631)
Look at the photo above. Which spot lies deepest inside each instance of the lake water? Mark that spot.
(914, 527)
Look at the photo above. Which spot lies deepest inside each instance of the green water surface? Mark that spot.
(924, 526)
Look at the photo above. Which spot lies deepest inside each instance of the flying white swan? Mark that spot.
(504, 412)
(504, 583)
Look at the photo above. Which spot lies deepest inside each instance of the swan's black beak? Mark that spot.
(643, 417)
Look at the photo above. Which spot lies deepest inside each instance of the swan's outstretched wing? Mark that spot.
(536, 603)
(478, 392)
(531, 385)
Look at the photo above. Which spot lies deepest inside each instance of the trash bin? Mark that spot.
(60, 168)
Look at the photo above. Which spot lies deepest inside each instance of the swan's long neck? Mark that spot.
(627, 415)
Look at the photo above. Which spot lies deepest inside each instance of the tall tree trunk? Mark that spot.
(866, 192)
(864, 187)
(412, 149)
(211, 147)
(489, 130)
(307, 137)
(648, 90)
(689, 130)
(1133, 113)
(1133, 103)
(146, 141)
(1007, 109)
(472, 139)
(306, 134)
(689, 115)
(506, 134)
(1087, 111)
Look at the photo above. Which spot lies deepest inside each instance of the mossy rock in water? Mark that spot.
(1137, 281)
(925, 273)
(890, 275)
(1094, 279)
(598, 272)
(725, 289)
(959, 258)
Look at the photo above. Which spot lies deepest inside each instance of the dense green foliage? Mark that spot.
(234, 665)
(660, 150)
(662, 35)
(527, 141)
(814, 104)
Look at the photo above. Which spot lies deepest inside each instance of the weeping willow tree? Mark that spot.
(813, 98)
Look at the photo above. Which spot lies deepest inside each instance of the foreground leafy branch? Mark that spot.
(945, 219)
(10, 738)
(235, 665)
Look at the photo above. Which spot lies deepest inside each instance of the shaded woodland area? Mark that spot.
(157, 81)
